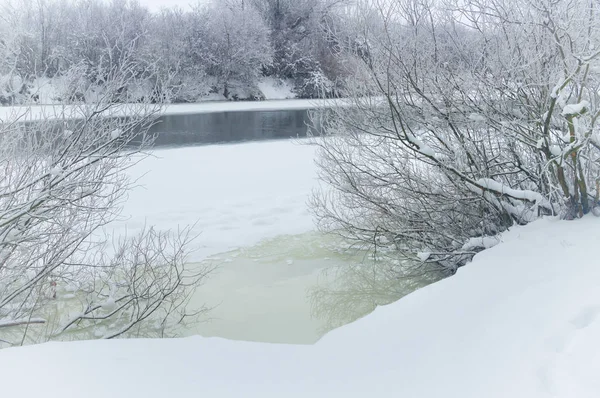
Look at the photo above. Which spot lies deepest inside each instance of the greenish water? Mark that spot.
(290, 289)
(293, 289)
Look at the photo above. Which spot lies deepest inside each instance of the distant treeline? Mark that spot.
(63, 50)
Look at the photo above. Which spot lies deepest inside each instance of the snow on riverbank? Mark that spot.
(238, 106)
(236, 195)
(522, 320)
(273, 88)
(51, 112)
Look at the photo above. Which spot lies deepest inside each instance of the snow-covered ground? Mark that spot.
(235, 195)
(273, 88)
(522, 320)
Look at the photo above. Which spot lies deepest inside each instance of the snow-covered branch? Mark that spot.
(61, 180)
(483, 127)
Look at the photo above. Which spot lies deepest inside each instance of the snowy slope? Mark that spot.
(522, 320)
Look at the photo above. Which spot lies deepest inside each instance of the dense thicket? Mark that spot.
(219, 49)
(468, 117)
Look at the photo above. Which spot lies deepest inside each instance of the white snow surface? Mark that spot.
(423, 256)
(116, 133)
(476, 117)
(484, 242)
(575, 109)
(55, 171)
(521, 320)
(269, 105)
(555, 150)
(531, 196)
(276, 89)
(423, 148)
(234, 195)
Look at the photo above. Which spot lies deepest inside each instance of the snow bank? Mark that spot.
(38, 112)
(522, 320)
(483, 242)
(237, 106)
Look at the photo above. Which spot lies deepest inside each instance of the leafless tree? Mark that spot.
(467, 117)
(62, 178)
(232, 42)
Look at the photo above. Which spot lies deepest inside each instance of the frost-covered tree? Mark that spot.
(165, 47)
(232, 41)
(52, 40)
(11, 81)
(306, 41)
(100, 35)
(218, 44)
(62, 178)
(467, 117)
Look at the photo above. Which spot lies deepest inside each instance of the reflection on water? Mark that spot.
(260, 293)
(359, 287)
(290, 289)
(184, 130)
(293, 289)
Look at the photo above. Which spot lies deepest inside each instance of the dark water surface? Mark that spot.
(230, 127)
(181, 130)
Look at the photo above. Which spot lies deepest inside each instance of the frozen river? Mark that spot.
(248, 205)
(243, 185)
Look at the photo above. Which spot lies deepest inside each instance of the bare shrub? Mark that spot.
(62, 178)
(467, 117)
